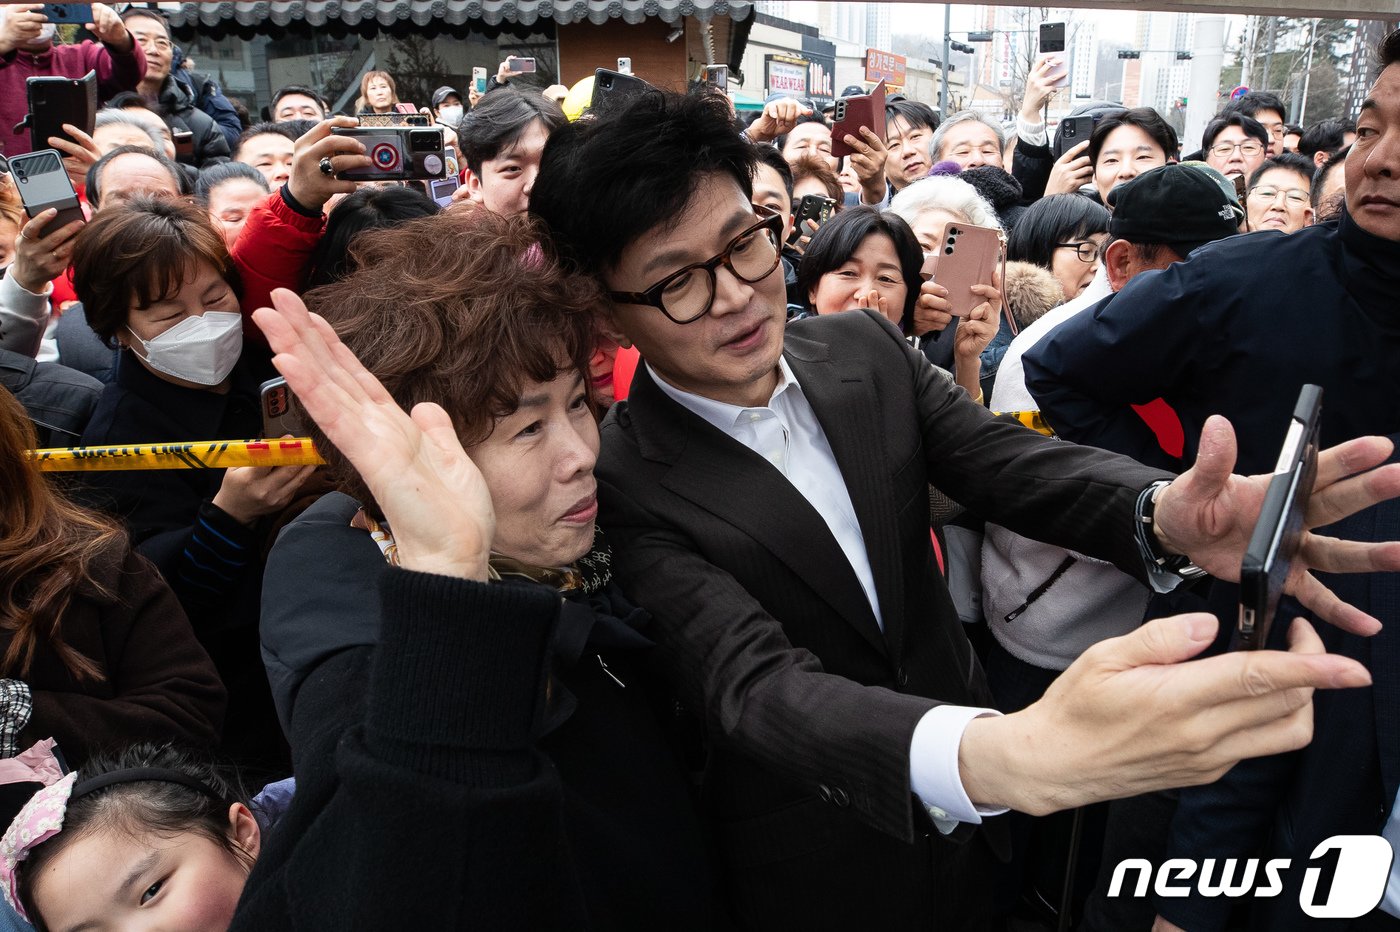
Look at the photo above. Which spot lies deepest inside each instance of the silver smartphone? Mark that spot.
(43, 183)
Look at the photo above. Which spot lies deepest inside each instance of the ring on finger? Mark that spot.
(325, 165)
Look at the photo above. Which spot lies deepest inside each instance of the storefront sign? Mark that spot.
(784, 74)
(884, 66)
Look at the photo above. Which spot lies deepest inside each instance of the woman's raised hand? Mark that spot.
(430, 491)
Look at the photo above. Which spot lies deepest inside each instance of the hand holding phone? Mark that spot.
(279, 416)
(965, 255)
(812, 211)
(851, 113)
(1274, 543)
(43, 183)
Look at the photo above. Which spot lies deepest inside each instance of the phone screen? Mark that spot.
(1052, 37)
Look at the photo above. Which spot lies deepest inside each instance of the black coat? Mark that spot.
(621, 848)
(764, 627)
(59, 400)
(178, 107)
(212, 562)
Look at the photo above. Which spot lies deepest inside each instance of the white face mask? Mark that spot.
(450, 116)
(202, 350)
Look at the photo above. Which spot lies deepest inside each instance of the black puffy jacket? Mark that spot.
(177, 106)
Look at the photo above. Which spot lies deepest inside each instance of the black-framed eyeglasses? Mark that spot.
(1087, 252)
(686, 294)
(1248, 148)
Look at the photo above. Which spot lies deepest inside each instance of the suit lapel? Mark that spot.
(847, 407)
(719, 474)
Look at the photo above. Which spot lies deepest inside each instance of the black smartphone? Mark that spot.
(63, 13)
(523, 66)
(813, 209)
(1274, 543)
(1074, 130)
(54, 101)
(43, 183)
(610, 86)
(1052, 37)
(279, 416)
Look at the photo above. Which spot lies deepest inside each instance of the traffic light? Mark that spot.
(1183, 56)
(1127, 53)
(962, 47)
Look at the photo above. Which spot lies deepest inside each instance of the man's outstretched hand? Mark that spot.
(1209, 513)
(1130, 717)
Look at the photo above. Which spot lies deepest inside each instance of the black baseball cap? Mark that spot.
(1176, 205)
(443, 93)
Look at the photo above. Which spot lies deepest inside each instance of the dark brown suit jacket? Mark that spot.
(767, 633)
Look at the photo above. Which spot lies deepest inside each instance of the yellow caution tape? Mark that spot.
(212, 454)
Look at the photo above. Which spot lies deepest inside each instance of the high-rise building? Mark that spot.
(1164, 79)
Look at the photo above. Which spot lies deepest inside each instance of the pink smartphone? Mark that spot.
(851, 113)
(966, 255)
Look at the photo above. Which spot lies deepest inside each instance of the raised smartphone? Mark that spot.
(611, 86)
(1052, 45)
(814, 210)
(966, 255)
(1274, 543)
(718, 75)
(43, 183)
(54, 101)
(66, 13)
(279, 416)
(624, 66)
(479, 80)
(851, 113)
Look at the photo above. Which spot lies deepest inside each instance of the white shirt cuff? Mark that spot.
(933, 766)
(1032, 134)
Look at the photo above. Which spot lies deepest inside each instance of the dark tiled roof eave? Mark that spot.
(251, 13)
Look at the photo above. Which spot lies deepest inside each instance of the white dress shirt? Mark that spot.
(788, 435)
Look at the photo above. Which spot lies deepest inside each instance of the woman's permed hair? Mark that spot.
(463, 309)
(944, 192)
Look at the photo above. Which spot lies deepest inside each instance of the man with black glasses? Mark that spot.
(766, 492)
(1235, 145)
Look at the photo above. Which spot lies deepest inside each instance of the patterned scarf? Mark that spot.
(587, 576)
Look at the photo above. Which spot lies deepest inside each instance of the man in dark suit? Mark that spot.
(769, 509)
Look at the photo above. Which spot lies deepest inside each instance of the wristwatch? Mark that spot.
(1152, 553)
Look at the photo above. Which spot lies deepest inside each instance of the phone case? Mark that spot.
(614, 85)
(1059, 72)
(43, 183)
(851, 113)
(1073, 130)
(811, 207)
(967, 255)
(54, 101)
(279, 416)
(68, 13)
(1274, 543)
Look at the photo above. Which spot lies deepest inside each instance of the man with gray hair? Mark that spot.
(970, 139)
(116, 128)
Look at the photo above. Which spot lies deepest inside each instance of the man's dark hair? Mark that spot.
(216, 175)
(371, 208)
(301, 90)
(128, 100)
(263, 129)
(837, 240)
(1255, 101)
(781, 141)
(149, 14)
(606, 182)
(500, 119)
(1388, 51)
(913, 113)
(1319, 180)
(1052, 220)
(1300, 165)
(94, 175)
(765, 154)
(1325, 136)
(1252, 128)
(1145, 119)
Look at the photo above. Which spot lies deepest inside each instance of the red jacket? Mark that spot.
(273, 251)
(116, 72)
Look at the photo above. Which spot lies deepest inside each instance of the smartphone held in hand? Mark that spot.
(1276, 536)
(43, 183)
(966, 255)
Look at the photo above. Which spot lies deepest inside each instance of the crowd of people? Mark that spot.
(643, 586)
